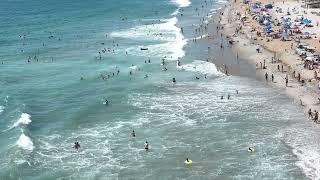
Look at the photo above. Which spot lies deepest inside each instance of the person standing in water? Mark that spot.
(146, 146)
(310, 114)
(133, 133)
(266, 75)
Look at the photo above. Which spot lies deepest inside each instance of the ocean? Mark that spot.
(61, 61)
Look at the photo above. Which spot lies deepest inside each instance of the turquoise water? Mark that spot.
(45, 106)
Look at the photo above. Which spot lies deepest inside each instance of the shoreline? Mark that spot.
(245, 47)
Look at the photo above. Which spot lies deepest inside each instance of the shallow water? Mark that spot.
(45, 107)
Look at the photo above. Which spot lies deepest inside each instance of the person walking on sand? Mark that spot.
(278, 67)
(272, 77)
(287, 81)
(316, 114)
(310, 114)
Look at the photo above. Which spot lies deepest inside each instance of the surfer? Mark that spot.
(146, 146)
(76, 145)
(250, 149)
(107, 102)
(133, 133)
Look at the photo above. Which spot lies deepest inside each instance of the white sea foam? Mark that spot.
(201, 37)
(1, 109)
(177, 11)
(201, 67)
(182, 3)
(171, 39)
(24, 119)
(25, 142)
(305, 145)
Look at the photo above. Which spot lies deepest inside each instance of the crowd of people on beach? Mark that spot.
(261, 24)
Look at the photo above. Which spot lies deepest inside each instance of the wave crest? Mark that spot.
(25, 142)
(25, 118)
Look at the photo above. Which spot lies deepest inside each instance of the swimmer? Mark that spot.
(197, 78)
(76, 145)
(146, 146)
(173, 80)
(133, 133)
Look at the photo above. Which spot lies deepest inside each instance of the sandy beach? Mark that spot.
(276, 58)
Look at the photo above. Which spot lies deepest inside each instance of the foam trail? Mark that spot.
(25, 142)
(201, 67)
(24, 119)
(182, 3)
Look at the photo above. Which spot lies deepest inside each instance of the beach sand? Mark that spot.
(246, 43)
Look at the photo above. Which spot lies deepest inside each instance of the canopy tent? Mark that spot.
(245, 1)
(305, 21)
(268, 6)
